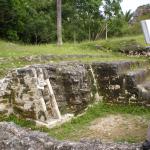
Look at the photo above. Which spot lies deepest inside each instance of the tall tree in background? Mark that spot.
(30, 21)
(81, 19)
(59, 23)
(111, 12)
(34, 21)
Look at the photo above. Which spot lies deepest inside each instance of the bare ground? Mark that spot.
(115, 128)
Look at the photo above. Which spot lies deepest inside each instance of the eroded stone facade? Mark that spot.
(42, 92)
(26, 92)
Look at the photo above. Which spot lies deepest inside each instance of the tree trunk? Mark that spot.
(89, 33)
(59, 23)
(74, 37)
(35, 40)
(106, 31)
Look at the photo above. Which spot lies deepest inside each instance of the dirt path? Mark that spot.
(117, 128)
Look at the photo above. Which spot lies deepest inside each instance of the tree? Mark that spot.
(128, 15)
(30, 21)
(111, 12)
(34, 21)
(80, 19)
(59, 23)
(10, 18)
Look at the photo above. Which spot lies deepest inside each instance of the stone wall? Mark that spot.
(26, 93)
(31, 92)
(110, 79)
(118, 82)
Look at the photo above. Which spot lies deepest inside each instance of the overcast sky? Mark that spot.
(133, 4)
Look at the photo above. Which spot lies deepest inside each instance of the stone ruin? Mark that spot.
(53, 93)
(139, 12)
(31, 92)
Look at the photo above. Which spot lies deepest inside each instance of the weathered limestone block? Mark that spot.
(4, 94)
(119, 85)
(71, 84)
(32, 91)
(134, 84)
(27, 99)
(110, 78)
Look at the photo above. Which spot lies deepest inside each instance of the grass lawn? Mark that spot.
(11, 53)
(8, 49)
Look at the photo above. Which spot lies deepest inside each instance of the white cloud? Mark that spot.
(133, 4)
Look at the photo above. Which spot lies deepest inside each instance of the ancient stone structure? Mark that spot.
(31, 92)
(45, 92)
(140, 11)
(120, 82)
(14, 137)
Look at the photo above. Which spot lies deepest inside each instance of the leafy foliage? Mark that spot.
(26, 20)
(34, 21)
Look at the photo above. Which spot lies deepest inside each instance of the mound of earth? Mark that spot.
(14, 137)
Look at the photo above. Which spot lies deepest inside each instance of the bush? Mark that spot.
(12, 35)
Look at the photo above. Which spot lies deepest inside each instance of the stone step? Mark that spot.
(52, 122)
(144, 91)
(137, 76)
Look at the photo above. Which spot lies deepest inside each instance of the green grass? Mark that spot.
(11, 53)
(8, 49)
(67, 130)
(71, 130)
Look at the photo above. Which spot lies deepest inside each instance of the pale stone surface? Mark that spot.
(148, 134)
(39, 92)
(53, 122)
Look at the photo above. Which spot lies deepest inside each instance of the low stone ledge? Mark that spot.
(51, 123)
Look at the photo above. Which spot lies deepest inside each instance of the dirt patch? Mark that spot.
(118, 128)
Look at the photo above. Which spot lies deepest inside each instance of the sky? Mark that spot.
(133, 4)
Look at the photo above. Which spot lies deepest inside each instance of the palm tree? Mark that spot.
(128, 15)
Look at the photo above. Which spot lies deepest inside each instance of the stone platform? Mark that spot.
(51, 123)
